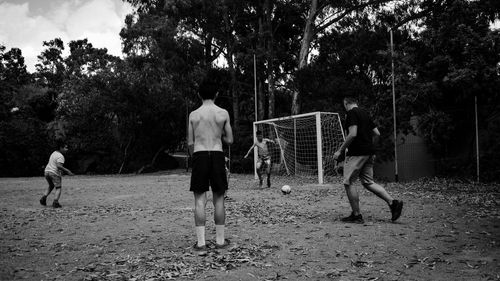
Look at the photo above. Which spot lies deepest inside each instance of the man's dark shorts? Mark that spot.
(208, 170)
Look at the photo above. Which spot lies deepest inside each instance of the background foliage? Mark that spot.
(122, 114)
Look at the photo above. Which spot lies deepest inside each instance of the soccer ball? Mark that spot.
(286, 189)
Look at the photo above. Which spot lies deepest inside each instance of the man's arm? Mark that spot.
(227, 137)
(190, 140)
(269, 140)
(61, 167)
(353, 132)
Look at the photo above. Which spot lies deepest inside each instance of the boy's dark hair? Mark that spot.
(60, 143)
(351, 99)
(259, 133)
(208, 87)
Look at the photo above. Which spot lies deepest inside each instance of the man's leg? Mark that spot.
(396, 206)
(219, 217)
(353, 196)
(366, 176)
(379, 191)
(200, 201)
(351, 169)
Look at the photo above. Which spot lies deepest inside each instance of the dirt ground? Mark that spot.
(141, 227)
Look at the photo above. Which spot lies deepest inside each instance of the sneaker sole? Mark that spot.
(398, 212)
(357, 222)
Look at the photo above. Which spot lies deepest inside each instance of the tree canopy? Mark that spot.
(120, 114)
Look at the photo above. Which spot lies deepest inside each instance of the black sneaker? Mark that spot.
(56, 204)
(354, 219)
(43, 200)
(226, 246)
(200, 250)
(396, 208)
(260, 183)
(268, 183)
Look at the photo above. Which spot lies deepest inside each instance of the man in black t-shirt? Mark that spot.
(360, 157)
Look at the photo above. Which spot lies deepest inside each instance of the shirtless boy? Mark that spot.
(263, 157)
(208, 127)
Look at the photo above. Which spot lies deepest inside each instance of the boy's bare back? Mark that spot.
(207, 125)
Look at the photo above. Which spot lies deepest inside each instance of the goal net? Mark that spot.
(303, 144)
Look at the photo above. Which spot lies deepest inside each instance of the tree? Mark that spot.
(324, 15)
(23, 141)
(455, 59)
(51, 69)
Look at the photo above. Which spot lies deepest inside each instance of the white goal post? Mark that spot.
(304, 144)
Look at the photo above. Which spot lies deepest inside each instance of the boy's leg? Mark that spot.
(57, 194)
(57, 185)
(219, 217)
(268, 171)
(56, 204)
(258, 167)
(200, 201)
(49, 189)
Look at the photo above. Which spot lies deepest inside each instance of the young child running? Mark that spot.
(208, 127)
(53, 174)
(263, 157)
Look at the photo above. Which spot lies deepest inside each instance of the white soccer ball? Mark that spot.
(14, 109)
(286, 189)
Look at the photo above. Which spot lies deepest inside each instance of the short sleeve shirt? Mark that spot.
(362, 143)
(55, 157)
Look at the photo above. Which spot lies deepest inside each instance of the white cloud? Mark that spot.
(100, 21)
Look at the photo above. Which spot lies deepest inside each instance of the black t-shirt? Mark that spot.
(363, 142)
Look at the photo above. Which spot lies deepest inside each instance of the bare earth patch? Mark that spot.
(141, 228)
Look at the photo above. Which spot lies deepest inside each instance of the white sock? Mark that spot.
(219, 232)
(200, 234)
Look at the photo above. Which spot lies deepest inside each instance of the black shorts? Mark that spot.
(208, 170)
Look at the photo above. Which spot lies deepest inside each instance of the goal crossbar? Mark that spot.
(292, 117)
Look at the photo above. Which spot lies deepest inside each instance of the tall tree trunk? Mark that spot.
(232, 72)
(260, 96)
(234, 93)
(260, 49)
(208, 50)
(125, 155)
(270, 59)
(305, 45)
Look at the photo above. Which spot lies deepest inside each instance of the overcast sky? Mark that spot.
(25, 24)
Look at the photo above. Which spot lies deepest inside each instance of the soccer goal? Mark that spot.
(304, 144)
